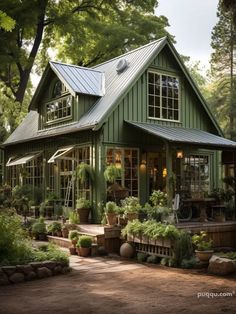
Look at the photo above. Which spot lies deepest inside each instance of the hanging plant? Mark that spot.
(112, 173)
(84, 172)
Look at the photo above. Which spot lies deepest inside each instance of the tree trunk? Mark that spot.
(24, 76)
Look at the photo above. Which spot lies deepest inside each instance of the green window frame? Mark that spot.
(163, 96)
(196, 173)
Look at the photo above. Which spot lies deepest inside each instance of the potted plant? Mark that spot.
(204, 247)
(74, 217)
(111, 210)
(73, 236)
(84, 245)
(131, 207)
(39, 229)
(115, 192)
(56, 228)
(83, 207)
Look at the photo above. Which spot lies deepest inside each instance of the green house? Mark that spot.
(140, 111)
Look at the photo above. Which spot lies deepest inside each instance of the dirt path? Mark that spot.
(108, 286)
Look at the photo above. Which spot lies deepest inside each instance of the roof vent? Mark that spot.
(121, 65)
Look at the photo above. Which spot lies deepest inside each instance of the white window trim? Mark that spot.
(59, 153)
(179, 110)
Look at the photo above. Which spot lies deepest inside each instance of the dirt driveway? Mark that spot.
(110, 286)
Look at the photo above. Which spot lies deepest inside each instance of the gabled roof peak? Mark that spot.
(51, 62)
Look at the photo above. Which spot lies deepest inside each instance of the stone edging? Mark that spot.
(31, 271)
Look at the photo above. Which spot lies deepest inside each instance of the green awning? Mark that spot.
(185, 136)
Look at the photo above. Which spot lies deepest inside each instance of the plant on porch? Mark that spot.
(131, 207)
(204, 247)
(83, 207)
(111, 211)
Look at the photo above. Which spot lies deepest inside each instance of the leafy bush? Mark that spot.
(183, 247)
(55, 226)
(158, 198)
(39, 227)
(142, 257)
(131, 205)
(73, 235)
(189, 263)
(153, 259)
(84, 241)
(50, 252)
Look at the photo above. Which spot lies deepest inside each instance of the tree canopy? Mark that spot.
(83, 32)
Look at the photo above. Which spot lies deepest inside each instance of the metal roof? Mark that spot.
(118, 83)
(79, 79)
(185, 135)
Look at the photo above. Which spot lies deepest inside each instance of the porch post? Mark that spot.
(169, 189)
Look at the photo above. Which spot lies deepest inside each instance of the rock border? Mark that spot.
(31, 271)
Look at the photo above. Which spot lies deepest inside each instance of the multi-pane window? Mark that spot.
(61, 108)
(126, 159)
(33, 172)
(196, 173)
(163, 97)
(82, 154)
(13, 175)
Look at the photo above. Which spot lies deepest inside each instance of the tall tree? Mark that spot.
(86, 25)
(223, 64)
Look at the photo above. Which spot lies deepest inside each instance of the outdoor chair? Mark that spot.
(175, 206)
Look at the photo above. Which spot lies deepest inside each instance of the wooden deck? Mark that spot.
(223, 234)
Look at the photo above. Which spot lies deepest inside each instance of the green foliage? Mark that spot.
(189, 263)
(231, 255)
(142, 257)
(55, 226)
(74, 217)
(84, 241)
(183, 247)
(112, 173)
(111, 207)
(153, 259)
(50, 252)
(158, 198)
(39, 227)
(131, 205)
(83, 203)
(6, 22)
(151, 229)
(84, 172)
(199, 240)
(73, 235)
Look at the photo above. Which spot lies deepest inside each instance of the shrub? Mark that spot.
(84, 241)
(158, 198)
(189, 263)
(73, 235)
(183, 247)
(39, 227)
(50, 252)
(142, 257)
(55, 226)
(153, 259)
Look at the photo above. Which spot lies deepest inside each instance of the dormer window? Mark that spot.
(163, 97)
(60, 107)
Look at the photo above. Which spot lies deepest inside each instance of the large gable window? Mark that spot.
(163, 97)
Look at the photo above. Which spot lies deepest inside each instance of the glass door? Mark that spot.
(156, 171)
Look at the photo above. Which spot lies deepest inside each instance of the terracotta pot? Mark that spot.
(84, 251)
(74, 242)
(111, 219)
(59, 234)
(204, 256)
(83, 215)
(72, 250)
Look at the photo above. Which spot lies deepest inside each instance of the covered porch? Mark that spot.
(187, 162)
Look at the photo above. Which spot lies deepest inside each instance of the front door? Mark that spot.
(156, 171)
